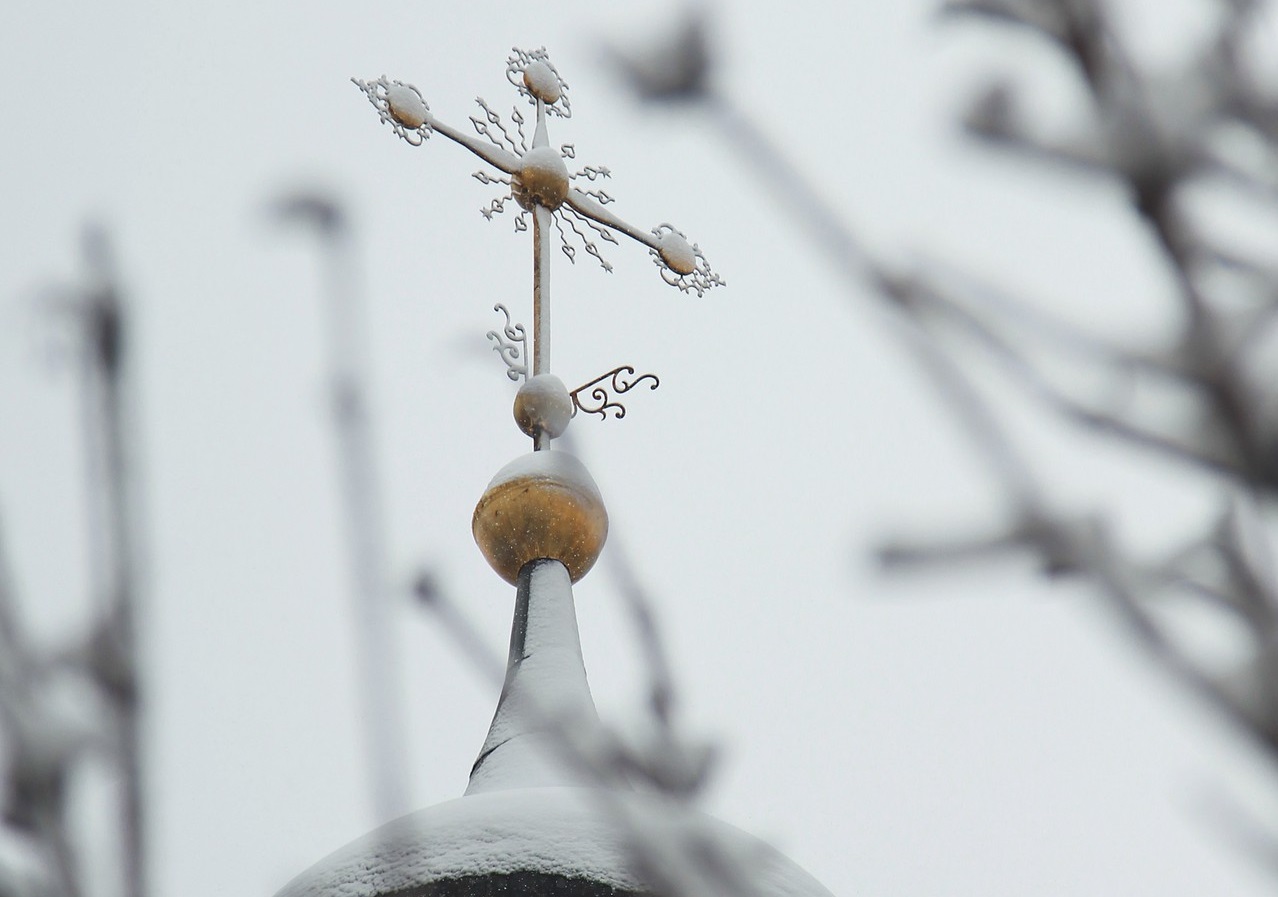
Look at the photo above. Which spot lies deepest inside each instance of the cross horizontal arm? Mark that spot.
(493, 155)
(593, 210)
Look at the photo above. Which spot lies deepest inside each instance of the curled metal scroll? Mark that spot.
(511, 344)
(601, 396)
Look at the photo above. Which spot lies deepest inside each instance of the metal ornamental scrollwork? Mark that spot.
(511, 345)
(601, 396)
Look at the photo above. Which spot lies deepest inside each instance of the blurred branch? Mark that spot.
(113, 647)
(1158, 135)
(45, 742)
(377, 660)
(39, 755)
(670, 849)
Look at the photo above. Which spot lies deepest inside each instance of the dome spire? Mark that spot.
(545, 688)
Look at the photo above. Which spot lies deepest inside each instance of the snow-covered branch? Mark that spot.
(1211, 125)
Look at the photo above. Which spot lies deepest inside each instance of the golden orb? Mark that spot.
(406, 105)
(542, 505)
(542, 179)
(678, 253)
(542, 82)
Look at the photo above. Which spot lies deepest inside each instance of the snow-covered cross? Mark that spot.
(542, 187)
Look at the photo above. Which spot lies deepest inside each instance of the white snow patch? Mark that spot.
(542, 82)
(548, 465)
(576, 832)
(546, 401)
(544, 161)
(678, 253)
(407, 105)
(546, 698)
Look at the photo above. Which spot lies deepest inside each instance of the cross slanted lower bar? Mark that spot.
(540, 184)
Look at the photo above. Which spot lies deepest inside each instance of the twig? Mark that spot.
(106, 429)
(377, 661)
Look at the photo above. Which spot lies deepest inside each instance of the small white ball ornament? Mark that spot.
(542, 82)
(543, 405)
(542, 179)
(407, 105)
(678, 253)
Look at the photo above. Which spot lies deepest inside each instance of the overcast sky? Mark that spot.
(962, 734)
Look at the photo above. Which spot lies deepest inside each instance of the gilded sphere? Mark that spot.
(542, 82)
(406, 105)
(678, 253)
(542, 505)
(542, 179)
(543, 405)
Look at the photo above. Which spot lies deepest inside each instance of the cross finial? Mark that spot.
(545, 191)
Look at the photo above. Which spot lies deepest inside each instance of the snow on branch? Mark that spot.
(1165, 136)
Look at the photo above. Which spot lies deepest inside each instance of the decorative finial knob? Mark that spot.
(543, 405)
(542, 505)
(542, 179)
(542, 82)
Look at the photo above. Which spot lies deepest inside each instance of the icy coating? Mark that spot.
(543, 177)
(574, 832)
(542, 82)
(513, 819)
(545, 691)
(543, 404)
(406, 105)
(549, 464)
(678, 253)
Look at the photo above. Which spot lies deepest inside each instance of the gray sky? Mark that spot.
(963, 734)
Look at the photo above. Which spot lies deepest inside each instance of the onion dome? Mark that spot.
(530, 823)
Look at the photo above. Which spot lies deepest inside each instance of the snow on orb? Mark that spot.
(542, 82)
(407, 105)
(678, 253)
(542, 179)
(543, 405)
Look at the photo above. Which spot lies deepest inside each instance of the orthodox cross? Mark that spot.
(540, 184)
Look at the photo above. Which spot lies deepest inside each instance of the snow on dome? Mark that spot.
(568, 833)
(542, 82)
(542, 178)
(678, 253)
(407, 105)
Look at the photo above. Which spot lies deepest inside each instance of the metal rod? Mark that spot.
(541, 301)
(541, 290)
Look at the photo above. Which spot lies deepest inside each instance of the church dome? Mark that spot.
(560, 841)
(531, 823)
